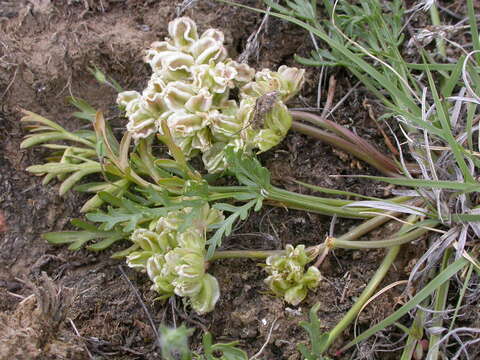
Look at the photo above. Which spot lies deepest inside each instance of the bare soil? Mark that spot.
(45, 49)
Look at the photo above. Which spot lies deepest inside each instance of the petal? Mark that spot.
(126, 97)
(295, 295)
(244, 72)
(292, 80)
(176, 94)
(184, 123)
(206, 299)
(214, 34)
(201, 102)
(214, 158)
(208, 49)
(183, 31)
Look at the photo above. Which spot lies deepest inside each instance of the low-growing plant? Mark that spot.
(164, 206)
(199, 102)
(174, 345)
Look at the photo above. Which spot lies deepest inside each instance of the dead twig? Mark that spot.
(144, 307)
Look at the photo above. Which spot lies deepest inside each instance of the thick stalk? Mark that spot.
(342, 144)
(435, 16)
(284, 198)
(301, 202)
(344, 139)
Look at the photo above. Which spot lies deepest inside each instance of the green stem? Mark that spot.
(309, 198)
(461, 296)
(472, 19)
(436, 22)
(415, 334)
(366, 227)
(440, 304)
(313, 204)
(395, 241)
(316, 204)
(251, 254)
(367, 292)
(421, 295)
(353, 234)
(227, 189)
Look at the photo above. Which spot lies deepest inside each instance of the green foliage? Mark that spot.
(224, 228)
(248, 170)
(228, 351)
(87, 112)
(174, 345)
(318, 339)
(426, 291)
(77, 239)
(140, 190)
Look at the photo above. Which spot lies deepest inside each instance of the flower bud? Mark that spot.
(172, 65)
(202, 140)
(286, 81)
(159, 274)
(276, 124)
(291, 79)
(152, 241)
(127, 97)
(141, 115)
(214, 158)
(295, 294)
(156, 48)
(217, 78)
(245, 73)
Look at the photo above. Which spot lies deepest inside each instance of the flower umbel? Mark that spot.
(191, 90)
(288, 277)
(175, 260)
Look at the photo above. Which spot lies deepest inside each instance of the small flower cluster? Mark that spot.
(175, 260)
(287, 276)
(191, 91)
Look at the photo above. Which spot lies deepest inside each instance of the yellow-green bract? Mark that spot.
(288, 277)
(191, 91)
(175, 260)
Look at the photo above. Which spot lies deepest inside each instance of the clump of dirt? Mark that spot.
(36, 328)
(45, 49)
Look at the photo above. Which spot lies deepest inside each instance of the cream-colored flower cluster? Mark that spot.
(287, 276)
(191, 91)
(175, 260)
